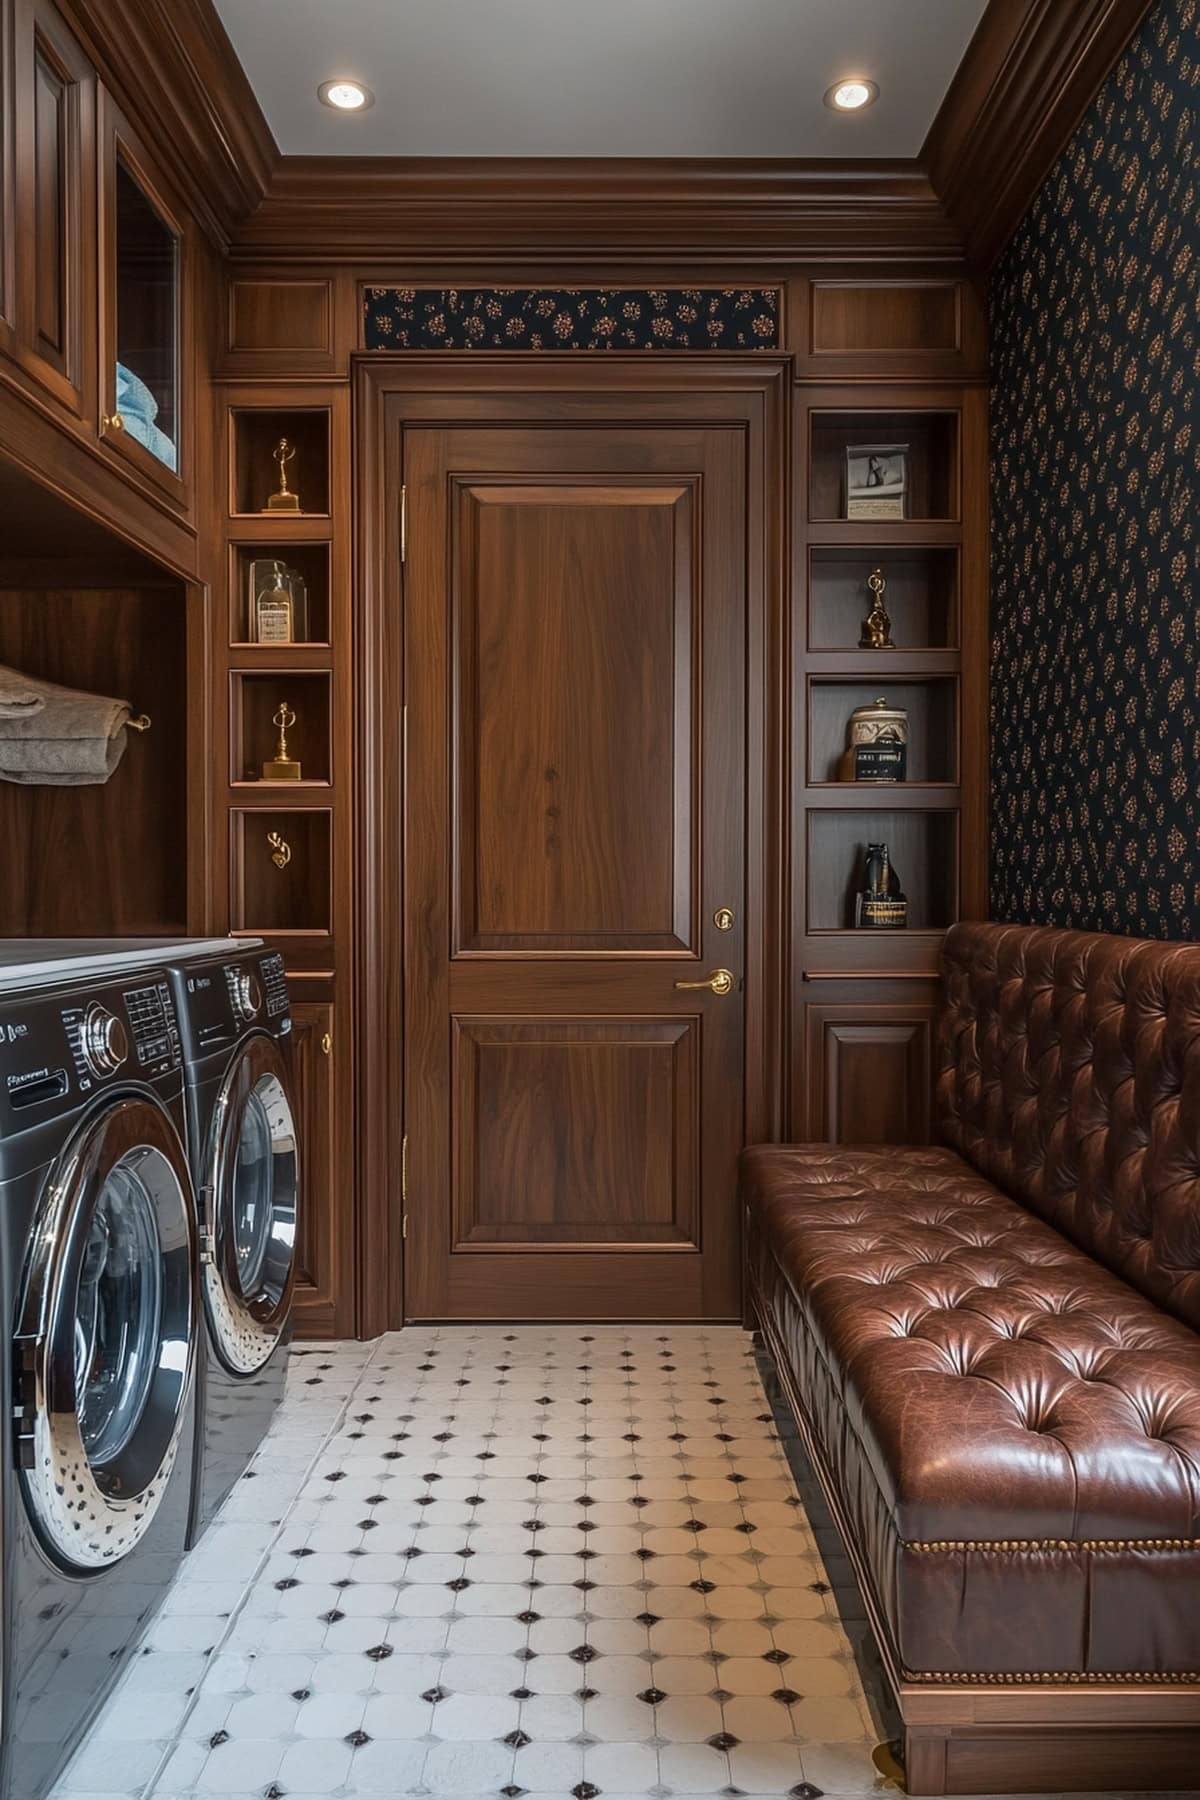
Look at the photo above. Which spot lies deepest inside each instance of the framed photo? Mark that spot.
(876, 481)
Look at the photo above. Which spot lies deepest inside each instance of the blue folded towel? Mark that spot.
(139, 409)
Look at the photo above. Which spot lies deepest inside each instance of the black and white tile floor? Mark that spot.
(507, 1561)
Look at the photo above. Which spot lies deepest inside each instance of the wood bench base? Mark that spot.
(1024, 1739)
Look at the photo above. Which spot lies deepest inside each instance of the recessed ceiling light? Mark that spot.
(852, 95)
(346, 96)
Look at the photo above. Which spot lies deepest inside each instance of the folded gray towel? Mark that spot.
(19, 699)
(74, 740)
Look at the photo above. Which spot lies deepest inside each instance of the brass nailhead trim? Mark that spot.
(1013, 1545)
(1072, 1677)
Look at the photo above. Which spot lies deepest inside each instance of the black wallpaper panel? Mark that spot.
(1095, 313)
(571, 318)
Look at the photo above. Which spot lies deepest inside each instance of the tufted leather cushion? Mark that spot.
(1069, 1073)
(972, 1380)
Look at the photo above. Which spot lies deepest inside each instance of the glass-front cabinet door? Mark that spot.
(144, 395)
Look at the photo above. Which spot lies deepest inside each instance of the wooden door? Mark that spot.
(575, 606)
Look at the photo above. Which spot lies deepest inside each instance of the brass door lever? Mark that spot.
(721, 981)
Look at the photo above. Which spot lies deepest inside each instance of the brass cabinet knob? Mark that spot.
(327, 1043)
(723, 918)
(114, 421)
(721, 981)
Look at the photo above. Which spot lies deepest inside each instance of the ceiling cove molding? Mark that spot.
(172, 68)
(491, 213)
(1030, 73)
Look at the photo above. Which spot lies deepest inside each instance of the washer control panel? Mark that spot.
(275, 983)
(245, 993)
(57, 1049)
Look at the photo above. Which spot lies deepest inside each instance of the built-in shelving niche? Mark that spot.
(79, 608)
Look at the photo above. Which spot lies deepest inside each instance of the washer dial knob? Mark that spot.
(247, 995)
(105, 1042)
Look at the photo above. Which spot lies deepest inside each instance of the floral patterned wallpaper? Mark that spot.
(571, 318)
(1095, 441)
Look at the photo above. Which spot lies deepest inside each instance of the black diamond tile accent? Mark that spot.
(511, 1791)
(358, 1738)
(586, 1525)
(586, 1693)
(652, 1696)
(332, 1617)
(723, 1740)
(337, 1475)
(533, 1525)
(303, 1551)
(585, 1587)
(526, 1655)
(289, 1581)
(217, 1739)
(528, 1618)
(786, 1696)
(703, 1587)
(746, 1528)
(590, 1555)
(678, 1437)
(583, 1790)
(645, 1555)
(721, 1696)
(457, 1586)
(517, 1740)
(275, 1792)
(804, 1790)
(631, 1437)
(301, 1693)
(583, 1653)
(434, 1694)
(776, 1656)
(819, 1587)
(379, 1652)
(521, 1693)
(638, 1499)
(584, 1500)
(544, 1400)
(647, 1618)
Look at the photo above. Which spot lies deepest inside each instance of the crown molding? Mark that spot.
(1030, 73)
(490, 213)
(171, 67)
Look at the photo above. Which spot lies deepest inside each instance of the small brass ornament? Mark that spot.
(282, 767)
(281, 850)
(877, 626)
(283, 500)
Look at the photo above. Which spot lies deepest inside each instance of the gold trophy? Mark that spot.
(284, 500)
(283, 767)
(876, 627)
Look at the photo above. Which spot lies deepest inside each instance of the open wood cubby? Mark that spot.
(924, 849)
(932, 439)
(932, 707)
(111, 859)
(309, 560)
(254, 700)
(295, 900)
(255, 474)
(921, 596)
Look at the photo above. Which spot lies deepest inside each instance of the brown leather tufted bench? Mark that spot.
(993, 1350)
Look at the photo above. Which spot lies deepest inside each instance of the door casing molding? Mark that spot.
(391, 392)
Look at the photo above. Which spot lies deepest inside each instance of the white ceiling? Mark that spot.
(601, 77)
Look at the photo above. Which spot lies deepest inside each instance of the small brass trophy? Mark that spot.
(879, 904)
(283, 767)
(284, 500)
(877, 626)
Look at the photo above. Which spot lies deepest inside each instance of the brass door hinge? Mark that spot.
(403, 523)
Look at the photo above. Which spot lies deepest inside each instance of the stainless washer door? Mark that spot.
(107, 1334)
(249, 1271)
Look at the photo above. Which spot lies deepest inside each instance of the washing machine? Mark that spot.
(234, 1015)
(235, 1023)
(99, 1284)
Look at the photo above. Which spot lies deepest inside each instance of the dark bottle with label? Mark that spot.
(879, 904)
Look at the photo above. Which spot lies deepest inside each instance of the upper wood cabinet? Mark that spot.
(145, 411)
(97, 259)
(52, 228)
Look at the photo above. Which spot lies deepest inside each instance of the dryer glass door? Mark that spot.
(105, 1347)
(252, 1204)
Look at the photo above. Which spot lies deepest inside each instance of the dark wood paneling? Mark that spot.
(282, 319)
(869, 1073)
(324, 1297)
(288, 898)
(1031, 71)
(920, 317)
(575, 1133)
(112, 859)
(576, 616)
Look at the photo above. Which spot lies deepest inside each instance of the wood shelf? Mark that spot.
(868, 533)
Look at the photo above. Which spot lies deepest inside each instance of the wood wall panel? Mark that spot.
(573, 1133)
(576, 767)
(869, 1070)
(324, 1299)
